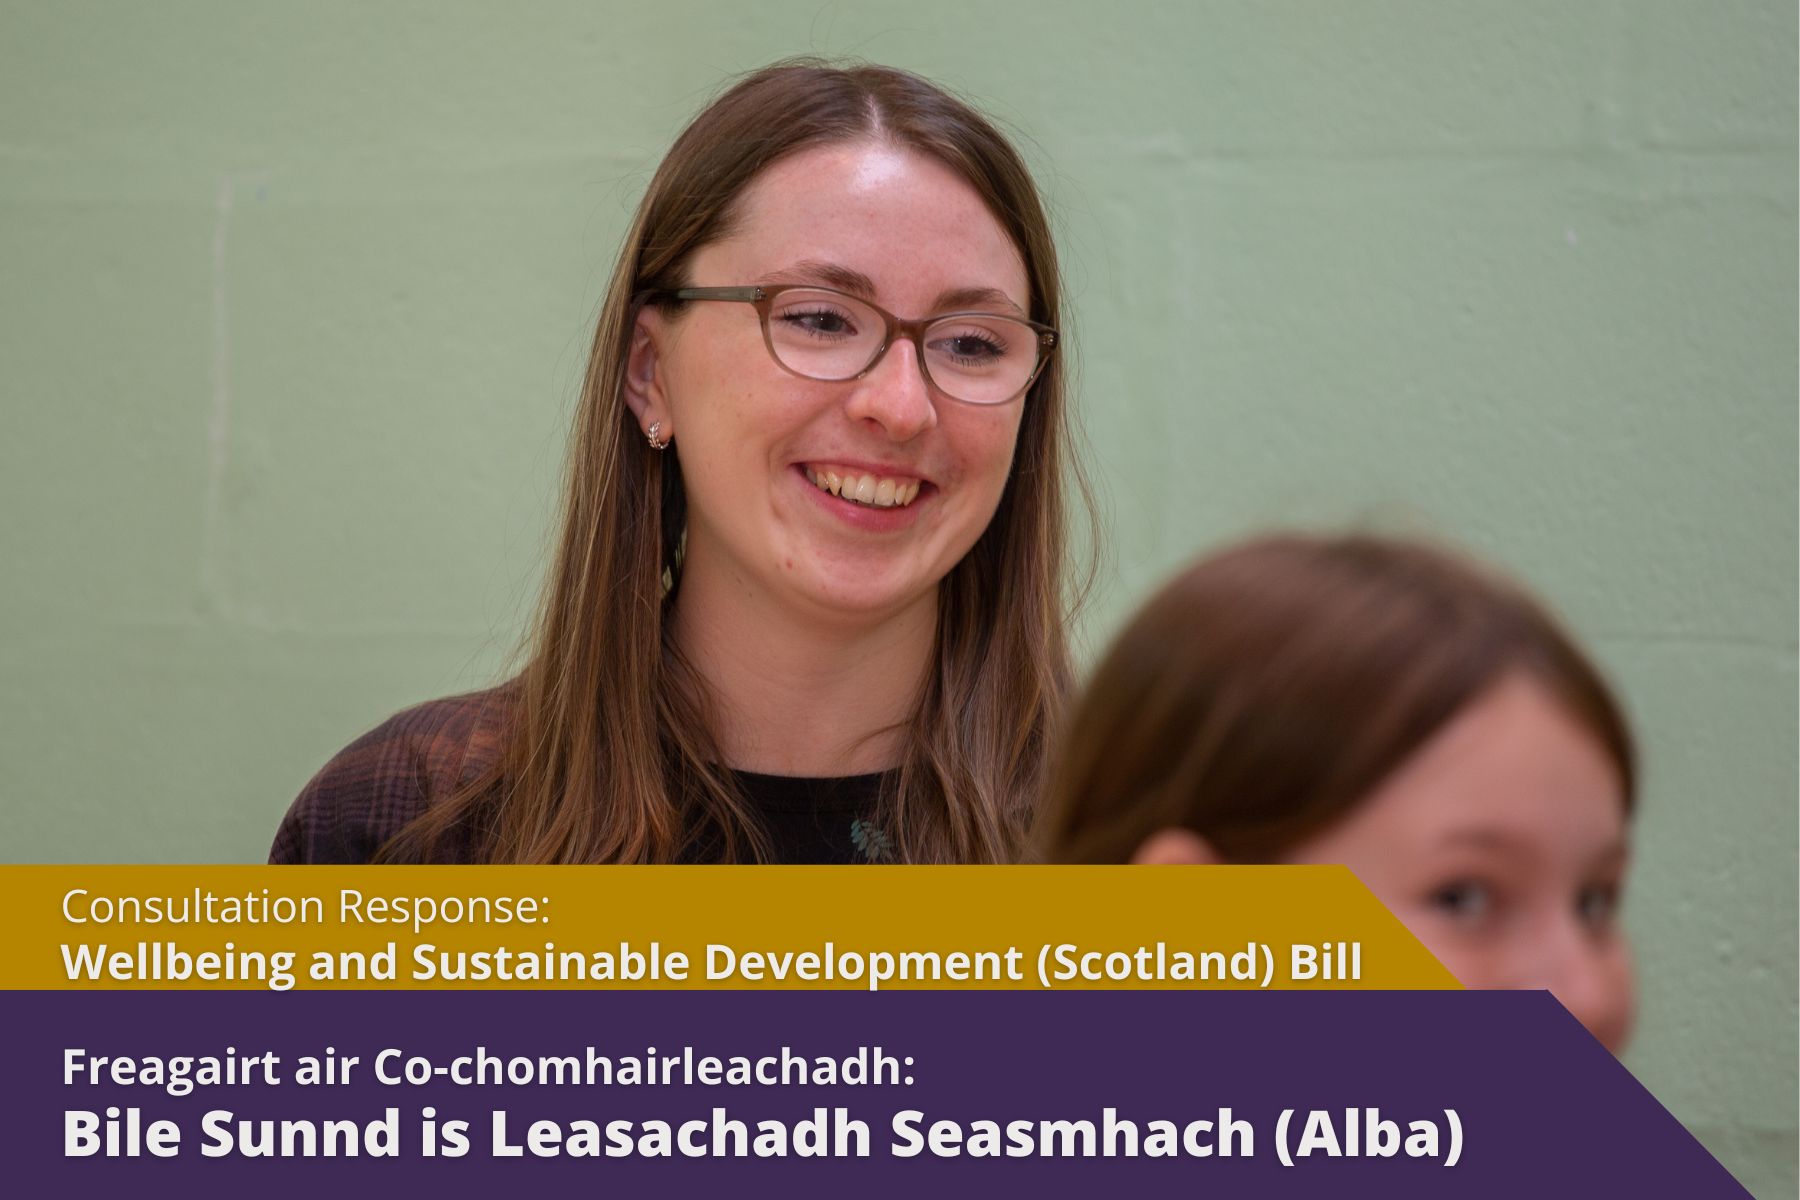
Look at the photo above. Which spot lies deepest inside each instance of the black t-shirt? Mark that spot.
(818, 820)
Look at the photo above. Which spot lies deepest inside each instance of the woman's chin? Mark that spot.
(847, 596)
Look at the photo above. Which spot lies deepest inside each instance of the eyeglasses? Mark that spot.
(821, 333)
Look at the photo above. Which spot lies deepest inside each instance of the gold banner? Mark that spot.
(886, 928)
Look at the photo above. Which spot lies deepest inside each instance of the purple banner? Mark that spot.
(980, 1093)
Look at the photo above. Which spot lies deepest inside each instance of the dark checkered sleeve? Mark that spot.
(385, 778)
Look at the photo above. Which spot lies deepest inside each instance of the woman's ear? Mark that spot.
(1176, 847)
(643, 371)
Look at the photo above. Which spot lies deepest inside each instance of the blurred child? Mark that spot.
(1382, 704)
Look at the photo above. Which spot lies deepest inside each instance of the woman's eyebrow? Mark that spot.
(845, 279)
(832, 275)
(985, 298)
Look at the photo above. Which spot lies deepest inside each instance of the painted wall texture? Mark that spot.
(294, 302)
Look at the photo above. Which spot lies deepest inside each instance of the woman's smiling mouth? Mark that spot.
(864, 487)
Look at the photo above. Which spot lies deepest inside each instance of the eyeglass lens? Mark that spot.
(977, 359)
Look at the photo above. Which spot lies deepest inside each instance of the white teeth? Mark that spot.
(874, 491)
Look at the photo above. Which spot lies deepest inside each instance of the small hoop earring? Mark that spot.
(655, 437)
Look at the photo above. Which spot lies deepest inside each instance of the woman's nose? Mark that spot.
(894, 394)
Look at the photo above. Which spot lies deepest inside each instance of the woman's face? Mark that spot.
(1501, 845)
(913, 238)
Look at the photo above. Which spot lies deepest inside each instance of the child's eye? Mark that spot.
(1465, 900)
(1598, 905)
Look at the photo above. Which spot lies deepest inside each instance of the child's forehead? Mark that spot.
(1511, 775)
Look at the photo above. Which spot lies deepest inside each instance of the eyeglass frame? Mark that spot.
(763, 297)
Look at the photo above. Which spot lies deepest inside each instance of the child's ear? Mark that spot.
(1176, 847)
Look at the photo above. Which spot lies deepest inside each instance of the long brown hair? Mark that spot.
(608, 753)
(1269, 688)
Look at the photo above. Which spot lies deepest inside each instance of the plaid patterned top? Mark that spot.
(377, 784)
(393, 773)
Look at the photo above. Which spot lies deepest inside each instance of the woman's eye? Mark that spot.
(1598, 905)
(1465, 900)
(969, 349)
(822, 322)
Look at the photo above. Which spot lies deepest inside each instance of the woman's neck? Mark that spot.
(794, 695)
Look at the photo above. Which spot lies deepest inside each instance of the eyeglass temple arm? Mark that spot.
(750, 294)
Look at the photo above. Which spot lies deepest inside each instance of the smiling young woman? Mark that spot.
(808, 602)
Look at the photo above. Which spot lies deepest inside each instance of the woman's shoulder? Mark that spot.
(384, 779)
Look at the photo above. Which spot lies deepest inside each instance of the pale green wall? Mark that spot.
(293, 301)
